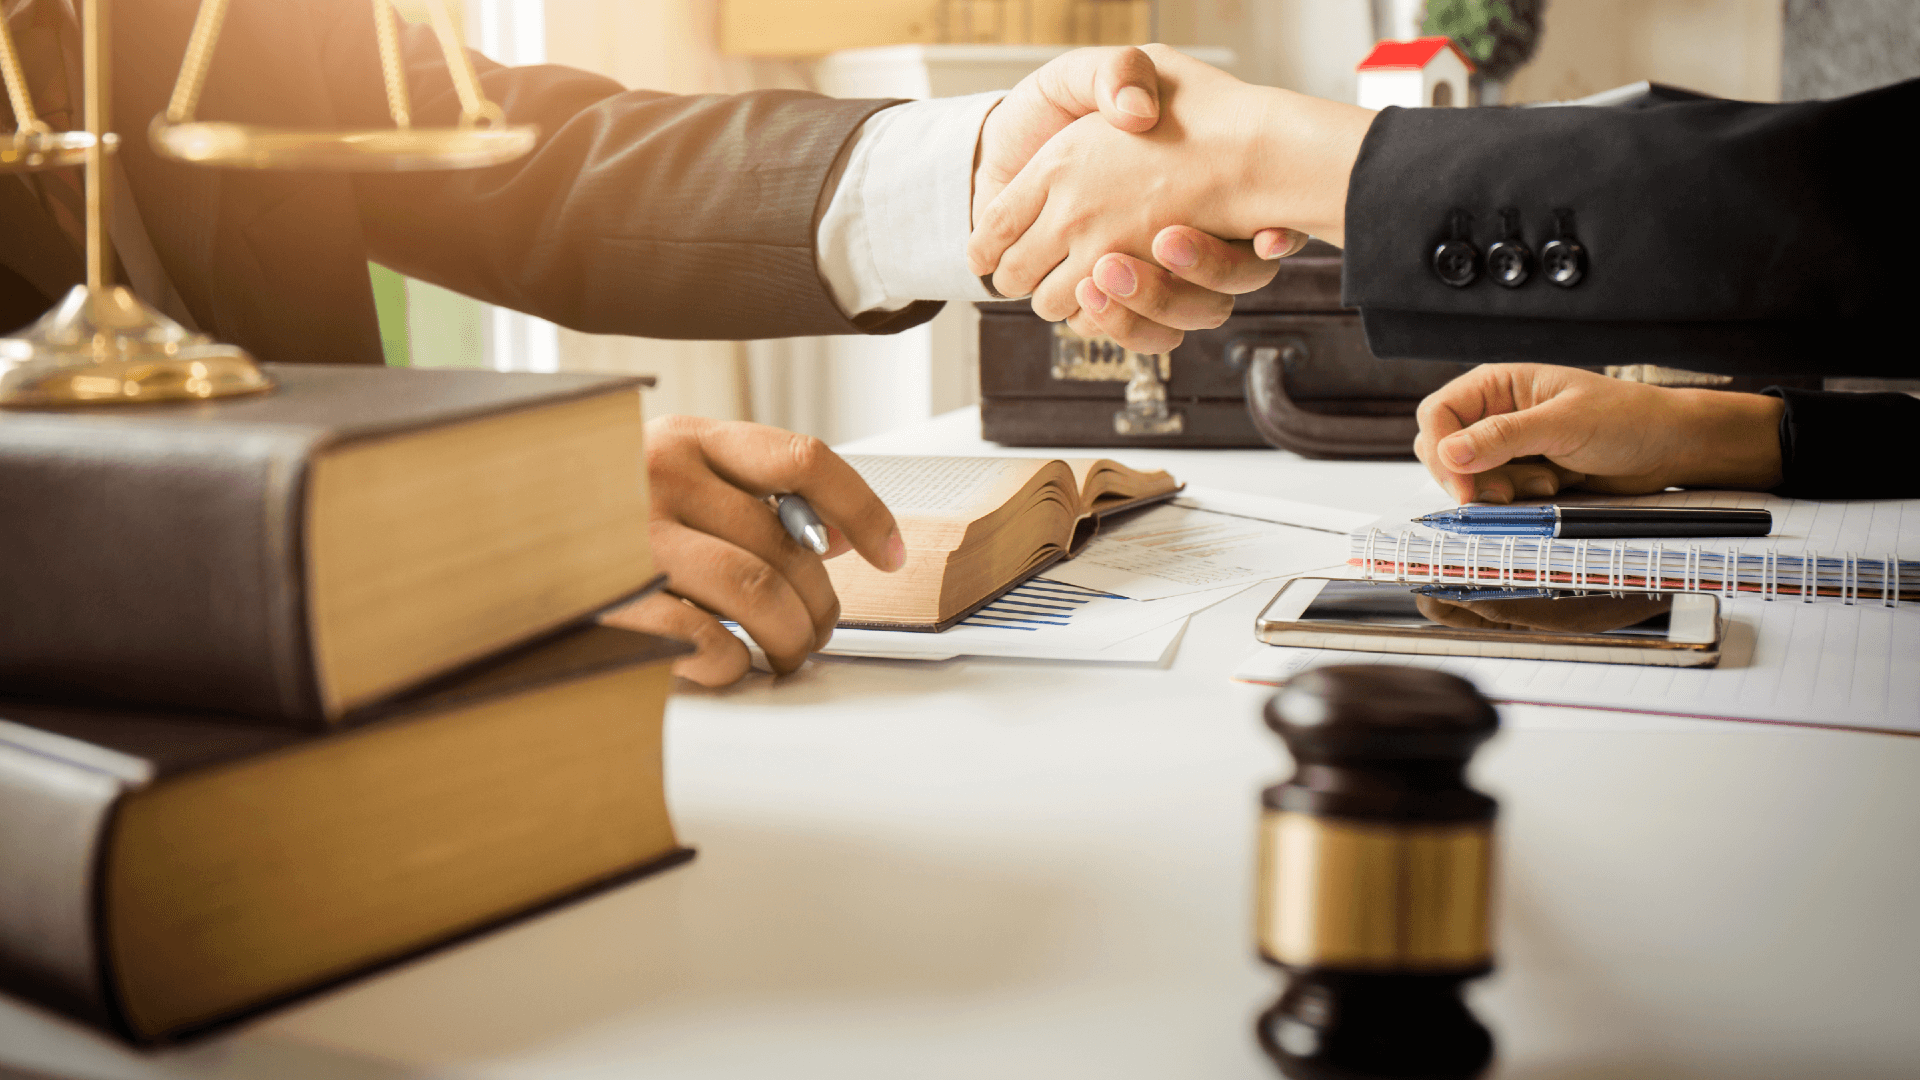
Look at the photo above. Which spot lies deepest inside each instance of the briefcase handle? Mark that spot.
(1283, 423)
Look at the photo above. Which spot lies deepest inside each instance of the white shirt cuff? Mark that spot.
(896, 228)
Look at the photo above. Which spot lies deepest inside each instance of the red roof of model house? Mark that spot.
(1409, 55)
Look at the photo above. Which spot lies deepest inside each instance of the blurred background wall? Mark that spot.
(845, 388)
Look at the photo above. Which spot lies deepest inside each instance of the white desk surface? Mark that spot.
(1033, 869)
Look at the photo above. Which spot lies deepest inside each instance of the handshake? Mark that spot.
(1133, 192)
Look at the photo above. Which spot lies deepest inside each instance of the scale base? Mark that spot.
(111, 348)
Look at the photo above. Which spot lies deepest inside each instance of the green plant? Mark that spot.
(1500, 35)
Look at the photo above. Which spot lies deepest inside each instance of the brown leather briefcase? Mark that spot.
(1290, 368)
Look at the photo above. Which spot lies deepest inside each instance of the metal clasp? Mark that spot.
(1101, 359)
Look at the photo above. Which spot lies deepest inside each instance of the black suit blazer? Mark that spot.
(637, 213)
(1719, 236)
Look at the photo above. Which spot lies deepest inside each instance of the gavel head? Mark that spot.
(1374, 874)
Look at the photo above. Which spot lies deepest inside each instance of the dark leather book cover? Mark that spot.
(64, 773)
(154, 554)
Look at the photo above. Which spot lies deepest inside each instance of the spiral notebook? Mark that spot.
(1856, 550)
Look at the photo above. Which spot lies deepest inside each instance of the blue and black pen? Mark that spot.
(1599, 522)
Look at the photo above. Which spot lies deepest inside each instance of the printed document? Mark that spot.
(1205, 540)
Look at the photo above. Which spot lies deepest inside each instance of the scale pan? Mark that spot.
(249, 146)
(21, 151)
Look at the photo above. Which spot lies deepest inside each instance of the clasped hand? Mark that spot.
(1117, 229)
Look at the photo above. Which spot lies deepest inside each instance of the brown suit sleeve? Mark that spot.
(637, 213)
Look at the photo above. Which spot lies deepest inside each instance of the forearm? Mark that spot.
(636, 213)
(1725, 440)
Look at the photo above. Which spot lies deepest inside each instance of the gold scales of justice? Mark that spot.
(102, 344)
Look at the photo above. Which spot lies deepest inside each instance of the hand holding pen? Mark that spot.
(727, 555)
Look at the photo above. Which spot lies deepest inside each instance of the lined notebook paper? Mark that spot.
(1858, 549)
(1787, 660)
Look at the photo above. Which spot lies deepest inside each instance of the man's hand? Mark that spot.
(1226, 158)
(725, 553)
(1604, 434)
(1121, 85)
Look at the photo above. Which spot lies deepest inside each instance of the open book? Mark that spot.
(976, 527)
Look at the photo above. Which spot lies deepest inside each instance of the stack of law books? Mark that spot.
(295, 686)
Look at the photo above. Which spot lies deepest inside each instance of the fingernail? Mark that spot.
(1179, 251)
(1114, 276)
(1275, 244)
(1135, 102)
(1458, 451)
(896, 551)
(1093, 299)
(1489, 496)
(1538, 487)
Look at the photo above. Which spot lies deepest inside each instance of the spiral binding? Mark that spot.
(1443, 560)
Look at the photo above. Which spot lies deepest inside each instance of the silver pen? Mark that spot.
(801, 523)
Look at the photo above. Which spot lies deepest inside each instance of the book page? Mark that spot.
(1103, 479)
(943, 487)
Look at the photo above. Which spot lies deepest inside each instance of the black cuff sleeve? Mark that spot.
(1848, 446)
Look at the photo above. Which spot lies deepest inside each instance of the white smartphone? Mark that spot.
(1676, 629)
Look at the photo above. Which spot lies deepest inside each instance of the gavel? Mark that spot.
(1375, 874)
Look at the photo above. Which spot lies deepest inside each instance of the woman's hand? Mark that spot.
(725, 553)
(1592, 431)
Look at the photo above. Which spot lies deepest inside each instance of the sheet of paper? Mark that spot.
(1153, 646)
(1824, 663)
(1206, 540)
(1044, 620)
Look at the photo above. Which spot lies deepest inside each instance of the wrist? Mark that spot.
(974, 188)
(1300, 158)
(1733, 440)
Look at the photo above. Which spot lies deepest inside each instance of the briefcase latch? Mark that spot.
(1102, 359)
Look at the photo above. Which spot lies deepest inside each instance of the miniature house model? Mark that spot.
(1424, 71)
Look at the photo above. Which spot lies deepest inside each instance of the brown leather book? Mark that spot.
(977, 526)
(301, 554)
(167, 872)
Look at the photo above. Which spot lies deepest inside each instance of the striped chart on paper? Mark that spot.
(1037, 605)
